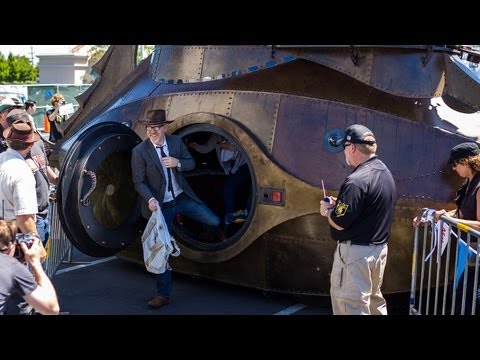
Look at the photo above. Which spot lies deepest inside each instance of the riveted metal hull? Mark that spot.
(279, 105)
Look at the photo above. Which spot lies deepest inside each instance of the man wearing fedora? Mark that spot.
(17, 183)
(38, 162)
(17, 187)
(157, 166)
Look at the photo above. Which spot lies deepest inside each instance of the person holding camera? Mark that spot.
(55, 118)
(15, 278)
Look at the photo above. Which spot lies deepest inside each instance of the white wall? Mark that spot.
(62, 69)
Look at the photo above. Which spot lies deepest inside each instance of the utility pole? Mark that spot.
(31, 54)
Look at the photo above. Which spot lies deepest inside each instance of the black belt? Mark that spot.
(174, 201)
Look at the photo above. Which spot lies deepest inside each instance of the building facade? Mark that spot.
(67, 68)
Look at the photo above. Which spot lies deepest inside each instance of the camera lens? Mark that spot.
(26, 239)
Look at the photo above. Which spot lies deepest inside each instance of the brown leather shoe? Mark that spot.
(158, 301)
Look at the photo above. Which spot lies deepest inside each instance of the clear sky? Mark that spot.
(26, 50)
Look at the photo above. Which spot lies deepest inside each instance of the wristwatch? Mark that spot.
(326, 212)
(179, 165)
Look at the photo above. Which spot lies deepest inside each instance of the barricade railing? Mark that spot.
(58, 245)
(440, 287)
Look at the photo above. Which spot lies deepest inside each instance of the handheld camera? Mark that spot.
(27, 239)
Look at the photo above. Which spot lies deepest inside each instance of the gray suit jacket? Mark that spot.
(148, 177)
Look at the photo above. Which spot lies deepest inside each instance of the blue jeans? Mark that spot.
(235, 184)
(185, 205)
(43, 229)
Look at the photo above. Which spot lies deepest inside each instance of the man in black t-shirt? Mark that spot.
(360, 220)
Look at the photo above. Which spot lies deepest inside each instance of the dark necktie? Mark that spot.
(169, 173)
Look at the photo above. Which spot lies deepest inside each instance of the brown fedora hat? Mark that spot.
(21, 131)
(17, 114)
(153, 117)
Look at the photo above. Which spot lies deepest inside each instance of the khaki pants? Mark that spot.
(356, 279)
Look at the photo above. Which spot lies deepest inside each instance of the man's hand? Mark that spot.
(36, 253)
(416, 221)
(170, 162)
(153, 205)
(325, 205)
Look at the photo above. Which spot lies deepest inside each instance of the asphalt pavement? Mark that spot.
(112, 286)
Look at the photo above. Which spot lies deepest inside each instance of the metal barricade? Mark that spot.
(58, 244)
(440, 287)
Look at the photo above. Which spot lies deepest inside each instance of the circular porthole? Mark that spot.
(229, 195)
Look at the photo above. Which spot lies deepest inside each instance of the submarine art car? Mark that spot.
(280, 105)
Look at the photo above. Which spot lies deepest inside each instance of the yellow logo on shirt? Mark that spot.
(341, 209)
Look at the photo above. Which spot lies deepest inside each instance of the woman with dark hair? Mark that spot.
(30, 107)
(465, 160)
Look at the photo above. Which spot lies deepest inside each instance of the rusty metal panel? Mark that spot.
(257, 112)
(250, 263)
(205, 63)
(415, 149)
(143, 87)
(340, 59)
(217, 102)
(298, 146)
(460, 86)
(312, 259)
(415, 80)
(227, 60)
(178, 63)
(380, 68)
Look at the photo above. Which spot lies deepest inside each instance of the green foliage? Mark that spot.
(95, 53)
(147, 50)
(17, 69)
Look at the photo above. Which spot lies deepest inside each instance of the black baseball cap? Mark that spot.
(463, 151)
(356, 134)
